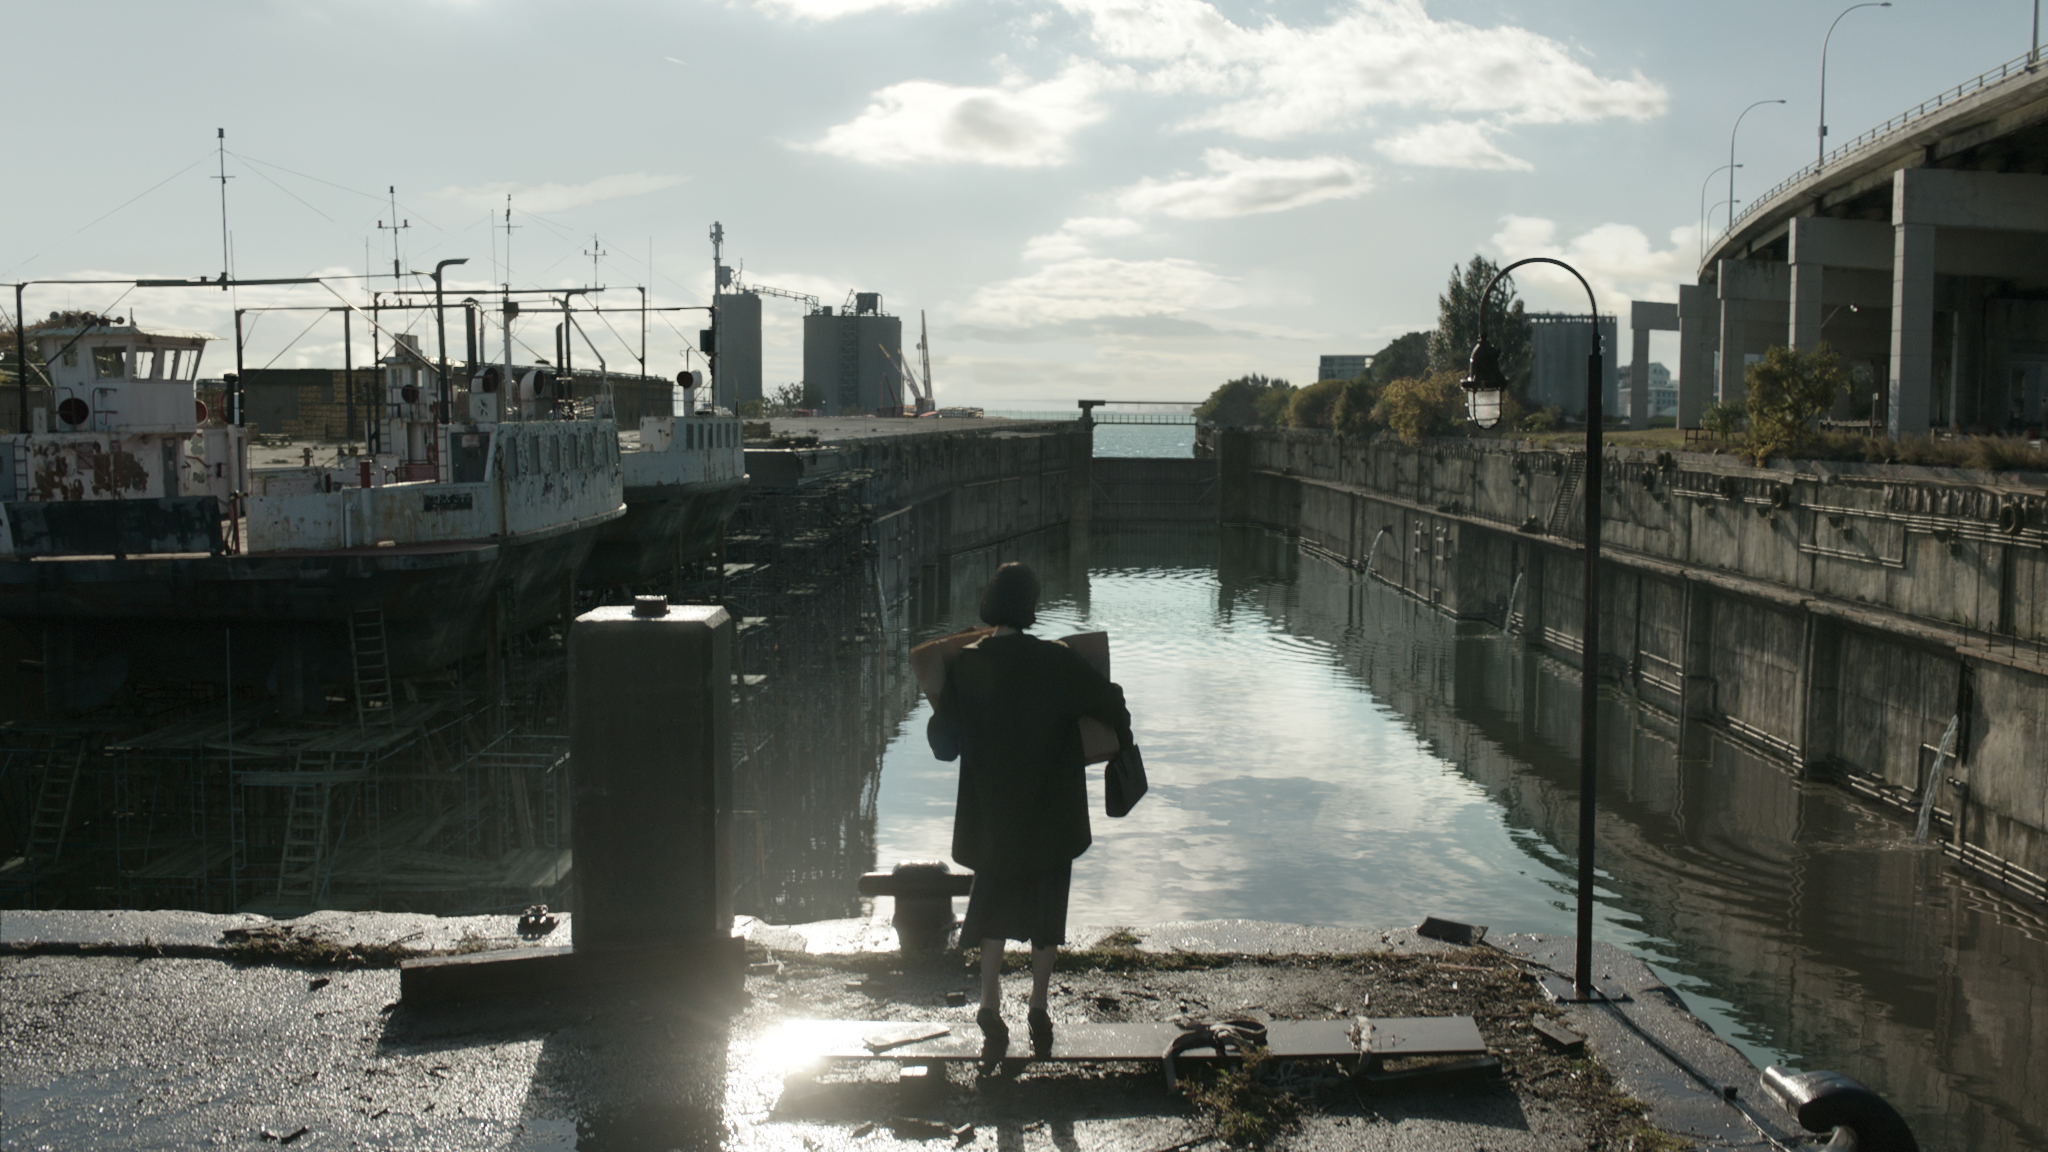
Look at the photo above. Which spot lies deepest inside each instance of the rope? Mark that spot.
(117, 208)
(1229, 1038)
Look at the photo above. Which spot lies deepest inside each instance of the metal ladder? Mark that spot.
(1567, 491)
(305, 844)
(371, 655)
(849, 367)
(53, 803)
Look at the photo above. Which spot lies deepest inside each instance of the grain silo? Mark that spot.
(844, 357)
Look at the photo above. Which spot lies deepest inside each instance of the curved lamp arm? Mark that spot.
(1485, 382)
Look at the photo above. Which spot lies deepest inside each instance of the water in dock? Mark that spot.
(1325, 751)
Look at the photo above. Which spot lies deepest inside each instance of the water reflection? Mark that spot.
(1326, 751)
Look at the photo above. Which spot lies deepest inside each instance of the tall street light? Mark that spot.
(1484, 389)
(1731, 157)
(1703, 204)
(1822, 156)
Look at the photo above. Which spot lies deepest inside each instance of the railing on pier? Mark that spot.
(2018, 67)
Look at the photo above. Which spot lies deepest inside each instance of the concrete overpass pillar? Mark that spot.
(1639, 380)
(1912, 359)
(1645, 317)
(1807, 313)
(1698, 321)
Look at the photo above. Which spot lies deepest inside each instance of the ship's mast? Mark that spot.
(221, 154)
(397, 278)
(718, 281)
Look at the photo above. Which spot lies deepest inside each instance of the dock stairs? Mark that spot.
(300, 872)
(1567, 494)
(53, 803)
(370, 652)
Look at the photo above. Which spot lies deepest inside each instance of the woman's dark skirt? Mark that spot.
(1031, 906)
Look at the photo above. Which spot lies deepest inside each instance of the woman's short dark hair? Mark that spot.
(1011, 598)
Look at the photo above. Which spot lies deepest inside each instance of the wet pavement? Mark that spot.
(153, 1030)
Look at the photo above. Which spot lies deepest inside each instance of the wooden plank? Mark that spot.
(1288, 1039)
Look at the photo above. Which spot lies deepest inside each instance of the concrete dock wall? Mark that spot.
(1835, 618)
(936, 491)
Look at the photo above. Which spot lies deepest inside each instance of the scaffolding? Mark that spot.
(441, 793)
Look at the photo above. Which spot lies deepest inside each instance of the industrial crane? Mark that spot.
(920, 389)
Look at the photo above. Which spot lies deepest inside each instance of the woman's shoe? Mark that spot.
(995, 1035)
(1041, 1033)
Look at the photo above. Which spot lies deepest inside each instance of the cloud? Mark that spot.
(557, 197)
(1071, 239)
(1013, 125)
(1243, 186)
(834, 9)
(1450, 144)
(1617, 260)
(1094, 288)
(1278, 80)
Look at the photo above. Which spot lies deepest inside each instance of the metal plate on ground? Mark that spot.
(1288, 1039)
(1560, 989)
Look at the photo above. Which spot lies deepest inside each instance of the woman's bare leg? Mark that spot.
(992, 976)
(1041, 974)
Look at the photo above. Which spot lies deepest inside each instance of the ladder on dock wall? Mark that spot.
(371, 654)
(1567, 492)
(305, 845)
(53, 803)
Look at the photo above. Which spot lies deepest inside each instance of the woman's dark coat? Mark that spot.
(1011, 708)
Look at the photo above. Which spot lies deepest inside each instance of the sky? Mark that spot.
(1122, 199)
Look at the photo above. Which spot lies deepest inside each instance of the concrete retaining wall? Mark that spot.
(1833, 617)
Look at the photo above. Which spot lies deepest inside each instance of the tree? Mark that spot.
(1423, 406)
(1356, 400)
(1788, 390)
(1457, 328)
(1312, 407)
(1252, 401)
(1404, 356)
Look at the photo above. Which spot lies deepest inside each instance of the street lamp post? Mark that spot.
(1731, 157)
(1821, 156)
(1485, 388)
(1703, 204)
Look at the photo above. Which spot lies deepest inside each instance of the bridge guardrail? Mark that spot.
(2011, 69)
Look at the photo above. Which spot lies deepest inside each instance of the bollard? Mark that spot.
(1831, 1102)
(924, 891)
(650, 759)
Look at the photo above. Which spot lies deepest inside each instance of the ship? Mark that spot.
(684, 477)
(137, 542)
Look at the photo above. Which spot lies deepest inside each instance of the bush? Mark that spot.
(1722, 419)
(1788, 391)
(1550, 419)
(1313, 406)
(1422, 406)
(1353, 415)
(1247, 402)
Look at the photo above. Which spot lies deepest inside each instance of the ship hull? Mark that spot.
(665, 527)
(281, 620)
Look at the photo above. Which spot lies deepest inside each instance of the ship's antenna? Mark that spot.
(396, 226)
(596, 253)
(221, 153)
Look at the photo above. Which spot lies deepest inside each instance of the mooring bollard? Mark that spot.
(650, 758)
(1831, 1102)
(924, 891)
(650, 761)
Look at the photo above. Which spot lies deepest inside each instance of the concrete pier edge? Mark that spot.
(1691, 1082)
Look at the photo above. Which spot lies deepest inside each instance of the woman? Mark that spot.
(1011, 710)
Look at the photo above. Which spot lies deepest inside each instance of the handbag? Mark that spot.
(1123, 781)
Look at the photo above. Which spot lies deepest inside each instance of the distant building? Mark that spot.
(1558, 345)
(843, 356)
(739, 348)
(1342, 367)
(1663, 391)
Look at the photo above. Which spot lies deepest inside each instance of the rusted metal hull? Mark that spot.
(278, 617)
(665, 526)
